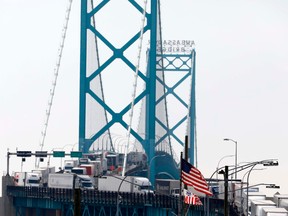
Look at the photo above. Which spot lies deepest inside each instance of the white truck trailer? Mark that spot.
(252, 196)
(167, 186)
(268, 211)
(281, 200)
(69, 181)
(258, 205)
(61, 180)
(129, 184)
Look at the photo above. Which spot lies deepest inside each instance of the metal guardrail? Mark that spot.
(95, 197)
(98, 198)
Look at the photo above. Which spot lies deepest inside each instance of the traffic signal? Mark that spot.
(41, 154)
(23, 154)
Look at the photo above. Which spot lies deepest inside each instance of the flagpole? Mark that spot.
(187, 210)
(180, 188)
(186, 157)
(186, 150)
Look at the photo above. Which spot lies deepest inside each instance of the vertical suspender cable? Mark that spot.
(54, 82)
(163, 78)
(100, 78)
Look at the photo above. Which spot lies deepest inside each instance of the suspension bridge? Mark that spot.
(136, 89)
(143, 116)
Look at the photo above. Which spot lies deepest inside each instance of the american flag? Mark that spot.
(191, 176)
(191, 199)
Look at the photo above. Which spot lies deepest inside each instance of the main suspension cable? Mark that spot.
(54, 82)
(135, 87)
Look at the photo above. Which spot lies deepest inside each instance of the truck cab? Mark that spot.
(85, 182)
(142, 184)
(33, 179)
(79, 170)
(175, 191)
(69, 165)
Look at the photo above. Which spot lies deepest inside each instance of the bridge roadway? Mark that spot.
(43, 201)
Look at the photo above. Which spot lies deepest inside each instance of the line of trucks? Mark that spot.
(258, 203)
(92, 174)
(71, 180)
(82, 173)
(84, 176)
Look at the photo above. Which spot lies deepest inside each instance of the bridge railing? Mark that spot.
(109, 198)
(95, 197)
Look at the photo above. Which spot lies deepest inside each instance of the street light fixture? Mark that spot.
(217, 168)
(264, 163)
(227, 139)
(273, 186)
(242, 181)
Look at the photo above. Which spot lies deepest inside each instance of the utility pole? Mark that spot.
(226, 209)
(185, 207)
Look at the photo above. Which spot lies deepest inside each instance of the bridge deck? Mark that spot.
(93, 202)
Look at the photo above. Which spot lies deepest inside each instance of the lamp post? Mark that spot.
(148, 168)
(264, 163)
(227, 139)
(219, 163)
(241, 194)
(118, 195)
(226, 206)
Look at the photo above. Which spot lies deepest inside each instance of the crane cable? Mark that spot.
(135, 87)
(56, 72)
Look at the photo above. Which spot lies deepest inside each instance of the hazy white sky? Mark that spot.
(241, 86)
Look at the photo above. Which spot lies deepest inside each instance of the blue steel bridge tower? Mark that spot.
(94, 68)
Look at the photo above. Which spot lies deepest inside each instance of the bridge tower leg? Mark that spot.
(91, 76)
(181, 64)
(89, 15)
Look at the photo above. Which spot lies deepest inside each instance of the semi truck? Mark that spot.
(69, 164)
(258, 205)
(268, 211)
(98, 168)
(44, 173)
(79, 170)
(281, 200)
(26, 179)
(251, 196)
(84, 181)
(93, 169)
(90, 169)
(133, 184)
(61, 180)
(167, 186)
(69, 181)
